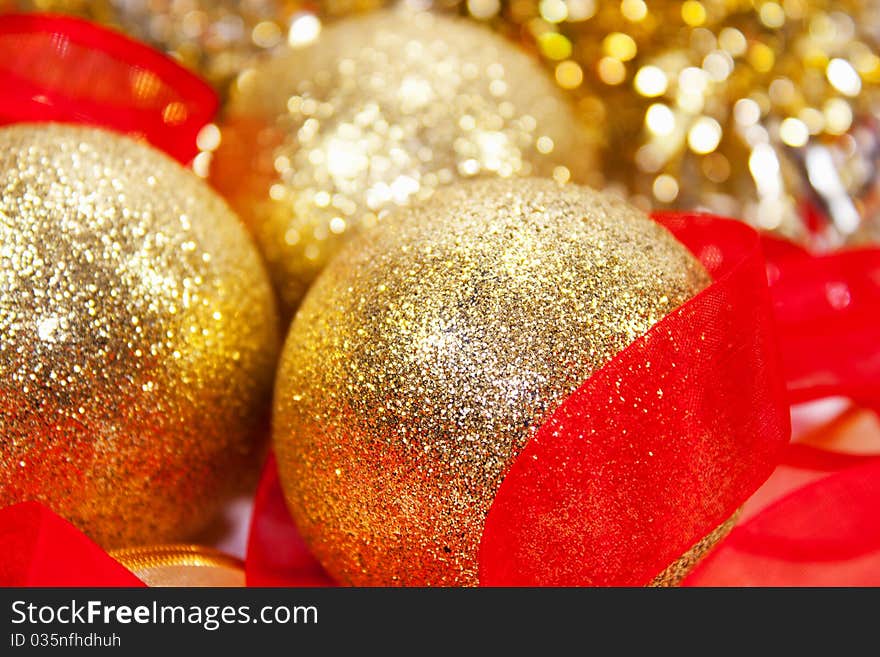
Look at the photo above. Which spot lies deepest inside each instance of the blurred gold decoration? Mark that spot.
(138, 337)
(430, 350)
(762, 110)
(216, 38)
(381, 111)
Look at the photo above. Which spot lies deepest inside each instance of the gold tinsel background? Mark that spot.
(742, 107)
(765, 110)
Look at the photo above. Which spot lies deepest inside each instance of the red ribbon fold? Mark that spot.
(58, 68)
(38, 548)
(649, 455)
(825, 533)
(827, 311)
(661, 445)
(276, 553)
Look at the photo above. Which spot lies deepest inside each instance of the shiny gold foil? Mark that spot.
(377, 114)
(182, 565)
(138, 337)
(431, 348)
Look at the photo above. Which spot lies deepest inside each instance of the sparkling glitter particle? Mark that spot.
(137, 337)
(433, 346)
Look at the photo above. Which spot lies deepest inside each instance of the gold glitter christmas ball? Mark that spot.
(138, 336)
(380, 112)
(433, 346)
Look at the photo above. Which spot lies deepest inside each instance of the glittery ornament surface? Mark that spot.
(432, 347)
(378, 114)
(137, 336)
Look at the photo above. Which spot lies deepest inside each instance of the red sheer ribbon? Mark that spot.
(657, 448)
(827, 311)
(825, 533)
(815, 523)
(38, 548)
(55, 68)
(596, 505)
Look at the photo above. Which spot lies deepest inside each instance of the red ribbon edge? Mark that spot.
(39, 548)
(70, 99)
(665, 468)
(824, 533)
